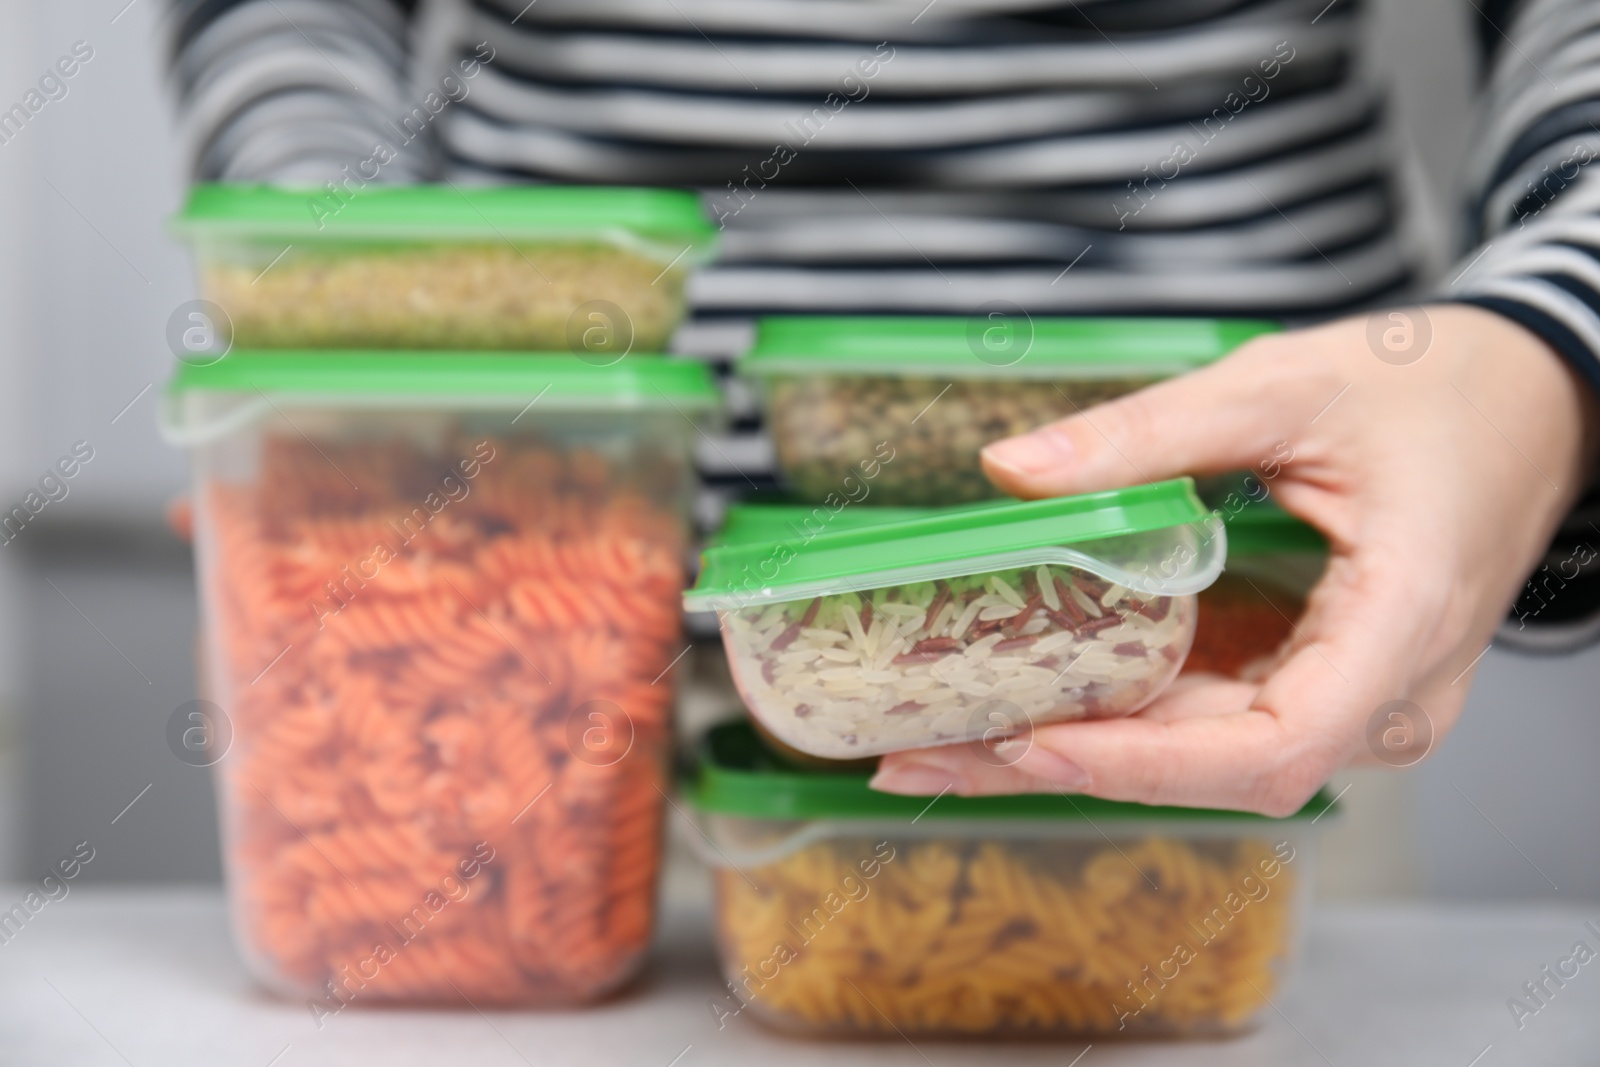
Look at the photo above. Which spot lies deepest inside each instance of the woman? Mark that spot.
(1438, 448)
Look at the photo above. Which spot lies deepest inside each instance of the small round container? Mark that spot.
(440, 595)
(913, 399)
(1250, 612)
(844, 912)
(584, 270)
(854, 636)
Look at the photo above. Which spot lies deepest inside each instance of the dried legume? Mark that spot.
(477, 296)
(824, 425)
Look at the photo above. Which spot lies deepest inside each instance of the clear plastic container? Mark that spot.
(859, 636)
(902, 405)
(844, 912)
(1248, 616)
(592, 271)
(440, 622)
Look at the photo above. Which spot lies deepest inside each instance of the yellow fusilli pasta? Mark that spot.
(1148, 935)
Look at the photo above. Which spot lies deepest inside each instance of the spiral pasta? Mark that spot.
(1026, 937)
(446, 672)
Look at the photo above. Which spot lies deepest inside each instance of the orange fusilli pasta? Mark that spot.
(446, 670)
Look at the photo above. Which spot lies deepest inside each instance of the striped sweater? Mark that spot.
(1533, 219)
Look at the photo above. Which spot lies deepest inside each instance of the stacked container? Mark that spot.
(441, 632)
(913, 399)
(441, 585)
(851, 634)
(865, 621)
(594, 271)
(845, 912)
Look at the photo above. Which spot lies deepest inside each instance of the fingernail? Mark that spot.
(1009, 753)
(916, 779)
(1053, 767)
(1030, 453)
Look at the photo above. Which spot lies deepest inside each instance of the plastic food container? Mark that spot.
(853, 637)
(441, 602)
(893, 410)
(1250, 612)
(845, 912)
(584, 270)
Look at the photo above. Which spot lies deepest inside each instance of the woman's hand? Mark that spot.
(1438, 484)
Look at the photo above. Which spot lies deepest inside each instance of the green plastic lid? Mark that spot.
(1259, 529)
(1256, 529)
(776, 521)
(735, 774)
(429, 380)
(759, 563)
(978, 345)
(444, 211)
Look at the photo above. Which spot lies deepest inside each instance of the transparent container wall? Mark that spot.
(979, 657)
(441, 648)
(949, 931)
(1250, 613)
(588, 296)
(833, 433)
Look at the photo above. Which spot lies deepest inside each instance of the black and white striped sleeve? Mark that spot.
(1534, 210)
(1535, 204)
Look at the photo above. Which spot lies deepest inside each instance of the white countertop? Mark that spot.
(147, 978)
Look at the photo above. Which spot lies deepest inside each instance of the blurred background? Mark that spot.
(97, 600)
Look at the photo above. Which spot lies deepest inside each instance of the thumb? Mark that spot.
(1224, 417)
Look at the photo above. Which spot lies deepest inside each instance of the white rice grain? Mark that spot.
(853, 623)
(980, 648)
(1047, 588)
(1000, 586)
(1053, 642)
(1131, 669)
(965, 620)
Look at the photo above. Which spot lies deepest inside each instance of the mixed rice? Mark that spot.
(849, 675)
